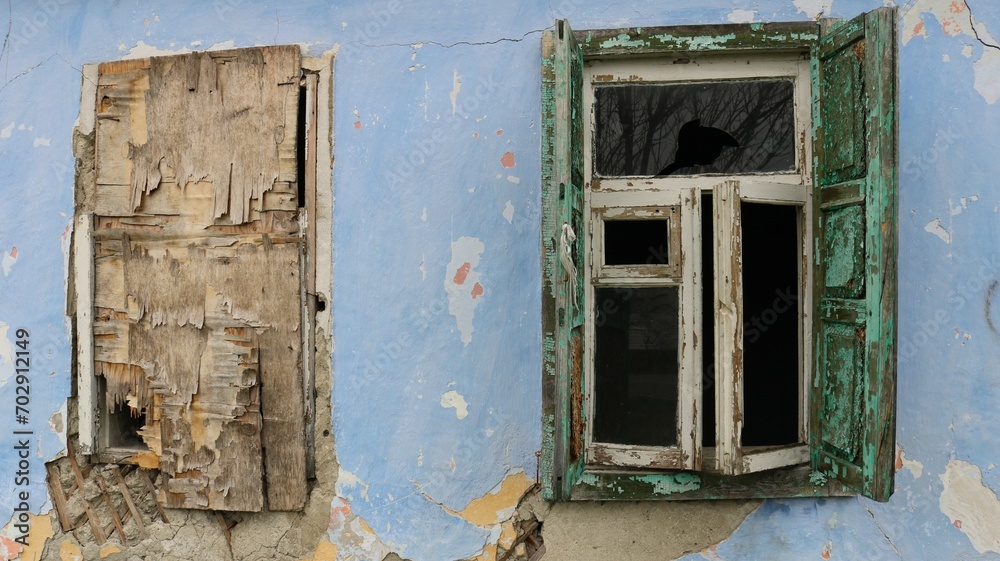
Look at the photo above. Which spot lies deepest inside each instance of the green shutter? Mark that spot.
(855, 240)
(562, 297)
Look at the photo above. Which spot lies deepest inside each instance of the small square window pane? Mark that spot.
(733, 126)
(636, 366)
(636, 242)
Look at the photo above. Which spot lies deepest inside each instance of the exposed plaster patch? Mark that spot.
(8, 260)
(142, 50)
(6, 354)
(347, 480)
(461, 282)
(455, 88)
(42, 141)
(57, 424)
(963, 203)
(353, 539)
(508, 212)
(456, 400)
(507, 160)
(935, 227)
(813, 8)
(902, 462)
(987, 72)
(742, 16)
(971, 506)
(7, 131)
(514, 179)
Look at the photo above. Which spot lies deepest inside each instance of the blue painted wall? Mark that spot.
(437, 363)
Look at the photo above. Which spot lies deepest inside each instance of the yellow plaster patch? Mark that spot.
(326, 551)
(489, 553)
(507, 535)
(41, 532)
(110, 549)
(498, 504)
(69, 551)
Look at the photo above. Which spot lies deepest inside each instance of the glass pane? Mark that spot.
(736, 126)
(636, 366)
(771, 324)
(636, 242)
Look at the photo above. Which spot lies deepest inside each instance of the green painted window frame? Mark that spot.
(854, 189)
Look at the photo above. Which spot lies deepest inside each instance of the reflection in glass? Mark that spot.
(636, 242)
(636, 366)
(736, 126)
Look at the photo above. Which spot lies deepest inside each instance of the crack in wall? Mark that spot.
(467, 43)
(975, 32)
(884, 535)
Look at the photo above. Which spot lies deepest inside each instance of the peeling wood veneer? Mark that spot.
(198, 300)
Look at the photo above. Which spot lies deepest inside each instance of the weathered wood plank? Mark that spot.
(694, 38)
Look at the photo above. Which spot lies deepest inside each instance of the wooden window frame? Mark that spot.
(569, 470)
(643, 196)
(315, 266)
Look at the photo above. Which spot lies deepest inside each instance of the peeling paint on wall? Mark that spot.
(972, 507)
(955, 19)
(9, 259)
(902, 462)
(935, 227)
(813, 8)
(455, 400)
(352, 537)
(41, 532)
(462, 283)
(742, 16)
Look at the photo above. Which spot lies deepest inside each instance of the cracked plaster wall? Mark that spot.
(437, 361)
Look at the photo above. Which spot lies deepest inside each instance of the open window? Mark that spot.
(720, 323)
(195, 272)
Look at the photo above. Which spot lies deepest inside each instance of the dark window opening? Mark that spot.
(122, 422)
(771, 324)
(734, 126)
(636, 366)
(300, 147)
(636, 242)
(707, 322)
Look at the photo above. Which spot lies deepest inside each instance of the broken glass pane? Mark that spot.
(735, 126)
(636, 242)
(636, 366)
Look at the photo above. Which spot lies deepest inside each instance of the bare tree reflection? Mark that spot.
(637, 126)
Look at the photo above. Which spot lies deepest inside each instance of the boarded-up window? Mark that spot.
(199, 256)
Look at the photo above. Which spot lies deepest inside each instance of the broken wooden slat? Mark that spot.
(95, 524)
(111, 507)
(225, 528)
(152, 490)
(58, 497)
(127, 496)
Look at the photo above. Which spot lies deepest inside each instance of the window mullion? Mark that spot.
(729, 327)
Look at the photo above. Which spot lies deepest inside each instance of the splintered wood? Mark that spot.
(196, 250)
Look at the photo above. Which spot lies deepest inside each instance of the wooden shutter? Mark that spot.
(197, 249)
(855, 224)
(563, 240)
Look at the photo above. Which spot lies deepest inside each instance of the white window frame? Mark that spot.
(642, 196)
